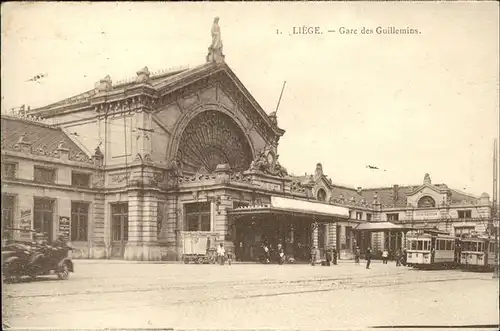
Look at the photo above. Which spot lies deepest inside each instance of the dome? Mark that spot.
(485, 195)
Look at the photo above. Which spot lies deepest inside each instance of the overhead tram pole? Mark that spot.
(494, 211)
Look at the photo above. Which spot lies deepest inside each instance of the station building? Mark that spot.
(131, 170)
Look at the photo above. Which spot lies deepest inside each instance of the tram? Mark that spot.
(431, 250)
(477, 253)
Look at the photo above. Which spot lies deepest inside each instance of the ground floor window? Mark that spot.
(119, 222)
(79, 221)
(197, 216)
(43, 217)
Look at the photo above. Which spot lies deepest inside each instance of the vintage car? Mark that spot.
(35, 259)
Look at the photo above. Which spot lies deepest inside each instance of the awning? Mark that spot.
(380, 226)
(293, 207)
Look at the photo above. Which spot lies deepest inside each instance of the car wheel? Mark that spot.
(63, 272)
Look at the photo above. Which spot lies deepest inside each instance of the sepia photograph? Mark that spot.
(250, 165)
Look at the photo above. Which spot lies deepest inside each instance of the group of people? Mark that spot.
(399, 256)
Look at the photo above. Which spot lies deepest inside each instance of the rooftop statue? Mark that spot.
(215, 49)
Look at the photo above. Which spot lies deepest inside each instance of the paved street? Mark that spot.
(133, 295)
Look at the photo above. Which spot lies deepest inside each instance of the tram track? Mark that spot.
(163, 297)
(212, 285)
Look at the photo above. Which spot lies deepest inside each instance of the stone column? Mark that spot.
(222, 203)
(332, 234)
(142, 223)
(315, 234)
(96, 234)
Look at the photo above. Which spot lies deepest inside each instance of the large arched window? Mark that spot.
(321, 195)
(213, 138)
(426, 202)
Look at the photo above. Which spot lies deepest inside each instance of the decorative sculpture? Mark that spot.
(215, 49)
(143, 76)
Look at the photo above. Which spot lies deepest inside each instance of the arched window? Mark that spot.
(426, 202)
(321, 195)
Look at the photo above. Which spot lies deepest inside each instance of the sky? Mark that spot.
(407, 104)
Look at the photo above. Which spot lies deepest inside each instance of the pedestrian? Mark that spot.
(399, 255)
(229, 257)
(267, 256)
(221, 253)
(368, 257)
(313, 256)
(281, 254)
(404, 257)
(334, 255)
(385, 256)
(357, 255)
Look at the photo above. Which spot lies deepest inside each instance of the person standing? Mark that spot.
(385, 256)
(334, 255)
(313, 256)
(368, 257)
(221, 253)
(357, 255)
(281, 254)
(267, 255)
(399, 256)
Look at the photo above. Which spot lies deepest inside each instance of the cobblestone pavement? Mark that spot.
(131, 295)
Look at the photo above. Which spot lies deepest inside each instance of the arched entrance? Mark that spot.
(213, 138)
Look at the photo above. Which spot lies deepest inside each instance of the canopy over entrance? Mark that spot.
(293, 207)
(381, 226)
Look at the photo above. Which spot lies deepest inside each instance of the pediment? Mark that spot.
(214, 84)
(427, 189)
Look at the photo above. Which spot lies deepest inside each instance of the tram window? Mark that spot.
(452, 245)
(414, 245)
(473, 247)
(479, 247)
(440, 245)
(465, 246)
(448, 245)
(420, 245)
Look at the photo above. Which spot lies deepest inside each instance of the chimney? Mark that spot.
(359, 190)
(395, 192)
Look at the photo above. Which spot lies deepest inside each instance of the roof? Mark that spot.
(44, 139)
(162, 85)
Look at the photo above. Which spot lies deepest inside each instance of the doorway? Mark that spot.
(119, 229)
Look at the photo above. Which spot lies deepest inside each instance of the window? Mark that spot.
(414, 244)
(368, 217)
(159, 217)
(464, 214)
(359, 216)
(393, 217)
(420, 245)
(461, 230)
(479, 247)
(9, 170)
(79, 221)
(7, 215)
(80, 179)
(45, 175)
(321, 195)
(43, 217)
(426, 202)
(119, 220)
(197, 216)
(449, 245)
